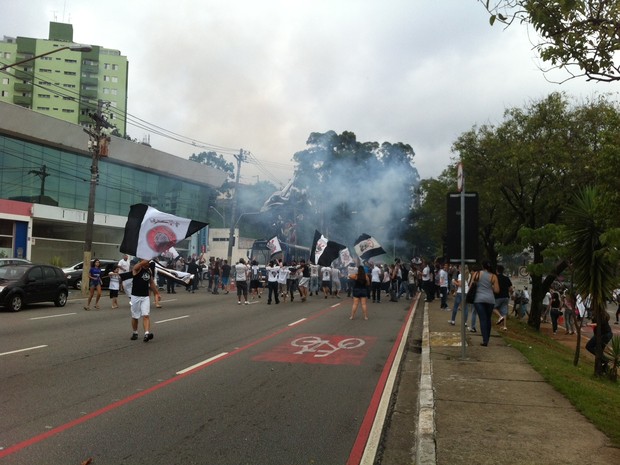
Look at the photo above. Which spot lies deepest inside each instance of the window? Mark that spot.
(114, 79)
(67, 110)
(45, 70)
(6, 55)
(43, 95)
(115, 67)
(5, 81)
(106, 78)
(4, 93)
(70, 73)
(70, 61)
(106, 90)
(43, 108)
(69, 86)
(114, 91)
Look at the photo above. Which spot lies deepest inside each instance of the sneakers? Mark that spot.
(147, 337)
(238, 302)
(134, 336)
(473, 330)
(451, 322)
(499, 322)
(247, 303)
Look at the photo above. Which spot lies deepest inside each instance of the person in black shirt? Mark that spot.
(142, 284)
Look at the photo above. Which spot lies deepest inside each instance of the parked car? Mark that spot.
(13, 261)
(74, 273)
(25, 284)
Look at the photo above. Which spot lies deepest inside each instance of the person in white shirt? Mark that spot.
(375, 283)
(241, 281)
(124, 267)
(336, 285)
(283, 273)
(326, 280)
(272, 281)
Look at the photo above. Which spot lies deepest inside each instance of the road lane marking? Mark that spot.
(51, 316)
(172, 319)
(297, 322)
(335, 305)
(15, 448)
(21, 350)
(204, 362)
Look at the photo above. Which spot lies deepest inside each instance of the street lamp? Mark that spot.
(221, 216)
(73, 48)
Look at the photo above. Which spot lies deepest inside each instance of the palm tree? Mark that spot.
(593, 257)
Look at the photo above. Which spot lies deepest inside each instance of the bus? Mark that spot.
(261, 253)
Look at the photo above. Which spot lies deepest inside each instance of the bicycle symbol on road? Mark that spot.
(323, 347)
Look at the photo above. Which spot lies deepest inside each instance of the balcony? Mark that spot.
(89, 93)
(89, 81)
(22, 87)
(23, 101)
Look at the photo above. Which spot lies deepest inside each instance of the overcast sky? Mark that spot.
(263, 74)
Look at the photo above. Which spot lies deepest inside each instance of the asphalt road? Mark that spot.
(295, 383)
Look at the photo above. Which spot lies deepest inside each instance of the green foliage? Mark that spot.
(214, 160)
(598, 399)
(612, 351)
(56, 261)
(579, 36)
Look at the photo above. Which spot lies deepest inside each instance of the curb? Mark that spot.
(425, 453)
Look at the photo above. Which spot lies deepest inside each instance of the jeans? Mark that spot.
(484, 310)
(443, 291)
(458, 298)
(375, 288)
(273, 291)
(555, 314)
(605, 338)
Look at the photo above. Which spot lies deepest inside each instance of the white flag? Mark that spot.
(274, 245)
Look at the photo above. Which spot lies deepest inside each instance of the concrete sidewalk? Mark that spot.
(492, 407)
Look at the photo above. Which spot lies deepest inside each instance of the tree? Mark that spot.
(593, 248)
(354, 187)
(578, 36)
(214, 160)
(525, 171)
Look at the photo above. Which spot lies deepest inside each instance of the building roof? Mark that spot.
(28, 125)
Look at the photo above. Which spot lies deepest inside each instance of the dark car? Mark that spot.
(74, 273)
(25, 284)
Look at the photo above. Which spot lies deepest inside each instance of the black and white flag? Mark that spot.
(323, 251)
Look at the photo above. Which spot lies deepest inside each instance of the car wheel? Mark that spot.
(16, 303)
(78, 284)
(61, 300)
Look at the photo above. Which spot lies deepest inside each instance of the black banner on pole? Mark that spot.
(454, 227)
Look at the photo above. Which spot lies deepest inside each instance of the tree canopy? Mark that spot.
(581, 37)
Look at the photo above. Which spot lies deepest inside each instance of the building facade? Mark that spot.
(66, 84)
(45, 180)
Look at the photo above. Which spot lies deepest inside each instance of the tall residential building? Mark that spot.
(67, 84)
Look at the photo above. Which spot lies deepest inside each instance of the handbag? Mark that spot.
(471, 292)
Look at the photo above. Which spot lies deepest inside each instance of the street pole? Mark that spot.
(231, 232)
(96, 139)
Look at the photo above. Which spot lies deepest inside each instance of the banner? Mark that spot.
(274, 246)
(367, 247)
(323, 251)
(149, 232)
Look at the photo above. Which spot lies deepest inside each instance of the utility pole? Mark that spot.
(42, 173)
(231, 233)
(98, 146)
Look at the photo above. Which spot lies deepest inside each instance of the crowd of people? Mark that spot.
(492, 290)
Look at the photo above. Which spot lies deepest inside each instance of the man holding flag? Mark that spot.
(142, 283)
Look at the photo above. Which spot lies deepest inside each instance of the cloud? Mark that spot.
(263, 75)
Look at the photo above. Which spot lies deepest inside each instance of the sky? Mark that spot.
(263, 75)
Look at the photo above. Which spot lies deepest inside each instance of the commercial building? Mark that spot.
(45, 180)
(66, 84)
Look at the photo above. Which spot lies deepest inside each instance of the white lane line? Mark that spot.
(297, 322)
(21, 350)
(51, 316)
(204, 362)
(334, 306)
(172, 319)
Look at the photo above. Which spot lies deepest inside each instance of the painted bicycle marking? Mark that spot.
(320, 348)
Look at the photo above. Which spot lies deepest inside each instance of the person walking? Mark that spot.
(502, 298)
(192, 268)
(241, 281)
(124, 266)
(555, 304)
(326, 280)
(226, 268)
(360, 292)
(487, 286)
(94, 283)
(115, 285)
(443, 286)
(458, 297)
(283, 273)
(272, 282)
(304, 280)
(142, 284)
(376, 275)
(255, 286)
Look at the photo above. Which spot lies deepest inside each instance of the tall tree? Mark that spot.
(524, 170)
(593, 248)
(579, 36)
